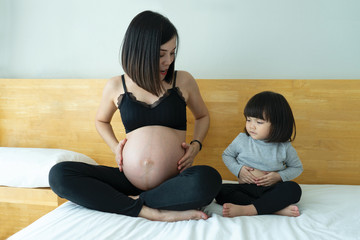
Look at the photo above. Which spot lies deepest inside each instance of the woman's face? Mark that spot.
(167, 56)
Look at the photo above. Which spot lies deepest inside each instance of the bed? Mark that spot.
(327, 212)
(59, 114)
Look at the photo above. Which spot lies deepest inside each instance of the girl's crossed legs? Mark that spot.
(250, 199)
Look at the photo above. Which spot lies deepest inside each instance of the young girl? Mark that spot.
(264, 161)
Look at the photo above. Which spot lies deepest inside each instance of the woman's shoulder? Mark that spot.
(182, 73)
(183, 77)
(114, 87)
(186, 82)
(114, 83)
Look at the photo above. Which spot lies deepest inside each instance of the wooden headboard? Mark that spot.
(59, 113)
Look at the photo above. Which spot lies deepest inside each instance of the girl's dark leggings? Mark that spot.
(267, 200)
(107, 189)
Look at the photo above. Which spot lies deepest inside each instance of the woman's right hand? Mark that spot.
(118, 153)
(245, 175)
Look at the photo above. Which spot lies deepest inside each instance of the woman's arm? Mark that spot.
(103, 118)
(200, 112)
(104, 115)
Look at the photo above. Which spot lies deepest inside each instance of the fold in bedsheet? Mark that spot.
(327, 212)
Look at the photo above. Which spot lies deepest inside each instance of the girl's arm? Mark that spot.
(293, 169)
(236, 166)
(294, 166)
(229, 157)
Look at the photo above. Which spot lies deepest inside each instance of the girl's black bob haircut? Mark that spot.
(274, 108)
(140, 54)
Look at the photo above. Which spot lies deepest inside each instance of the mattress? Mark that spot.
(327, 212)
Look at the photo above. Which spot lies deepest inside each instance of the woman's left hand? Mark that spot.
(187, 160)
(270, 178)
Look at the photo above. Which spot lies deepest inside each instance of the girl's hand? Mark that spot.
(270, 178)
(245, 175)
(118, 153)
(187, 160)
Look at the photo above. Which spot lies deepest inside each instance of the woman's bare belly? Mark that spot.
(151, 154)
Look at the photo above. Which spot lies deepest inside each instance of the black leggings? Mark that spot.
(107, 189)
(267, 200)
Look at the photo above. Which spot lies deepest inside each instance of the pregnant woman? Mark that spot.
(155, 178)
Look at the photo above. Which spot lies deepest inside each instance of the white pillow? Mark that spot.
(29, 167)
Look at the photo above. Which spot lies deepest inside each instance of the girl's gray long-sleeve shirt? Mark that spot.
(274, 157)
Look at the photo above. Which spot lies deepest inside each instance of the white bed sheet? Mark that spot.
(327, 212)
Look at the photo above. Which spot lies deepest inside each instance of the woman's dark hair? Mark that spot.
(140, 55)
(274, 108)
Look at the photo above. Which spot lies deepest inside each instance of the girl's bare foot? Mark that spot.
(233, 210)
(290, 211)
(171, 216)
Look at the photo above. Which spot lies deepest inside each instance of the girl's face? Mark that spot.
(257, 128)
(167, 56)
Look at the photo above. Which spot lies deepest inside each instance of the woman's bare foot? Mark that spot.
(290, 211)
(171, 216)
(233, 210)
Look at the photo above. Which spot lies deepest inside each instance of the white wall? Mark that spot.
(307, 39)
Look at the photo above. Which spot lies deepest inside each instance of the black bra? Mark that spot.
(168, 111)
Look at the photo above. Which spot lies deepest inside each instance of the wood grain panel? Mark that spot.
(59, 113)
(20, 207)
(53, 113)
(15, 216)
(36, 196)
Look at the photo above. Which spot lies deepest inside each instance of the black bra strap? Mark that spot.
(174, 83)
(123, 82)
